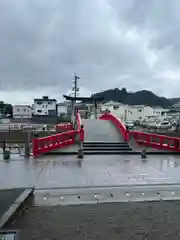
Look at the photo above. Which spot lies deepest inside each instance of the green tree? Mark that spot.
(8, 109)
(2, 107)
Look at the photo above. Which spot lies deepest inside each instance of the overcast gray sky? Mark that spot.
(108, 43)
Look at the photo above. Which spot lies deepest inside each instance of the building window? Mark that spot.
(49, 103)
(39, 111)
(24, 109)
(139, 110)
(115, 107)
(39, 103)
(18, 109)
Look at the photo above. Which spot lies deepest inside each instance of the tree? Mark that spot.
(8, 110)
(2, 107)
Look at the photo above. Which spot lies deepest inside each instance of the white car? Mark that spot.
(129, 124)
(164, 124)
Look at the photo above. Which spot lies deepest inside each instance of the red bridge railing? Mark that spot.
(156, 140)
(147, 139)
(117, 122)
(46, 144)
(80, 127)
(53, 142)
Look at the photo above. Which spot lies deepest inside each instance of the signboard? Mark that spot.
(9, 235)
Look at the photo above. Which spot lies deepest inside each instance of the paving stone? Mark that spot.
(102, 221)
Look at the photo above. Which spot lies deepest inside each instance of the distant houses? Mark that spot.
(22, 112)
(49, 108)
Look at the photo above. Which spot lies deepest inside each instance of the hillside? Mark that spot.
(142, 97)
(174, 100)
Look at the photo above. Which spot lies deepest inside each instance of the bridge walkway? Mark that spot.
(99, 130)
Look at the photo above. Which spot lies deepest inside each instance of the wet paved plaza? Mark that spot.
(100, 197)
(92, 171)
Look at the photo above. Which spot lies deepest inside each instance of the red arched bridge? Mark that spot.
(108, 134)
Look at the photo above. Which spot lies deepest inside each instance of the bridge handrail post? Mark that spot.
(35, 147)
(81, 140)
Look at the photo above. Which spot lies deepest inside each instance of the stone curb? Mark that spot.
(15, 206)
(115, 153)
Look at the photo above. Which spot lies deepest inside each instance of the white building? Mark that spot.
(22, 112)
(160, 112)
(111, 105)
(45, 106)
(139, 113)
(62, 108)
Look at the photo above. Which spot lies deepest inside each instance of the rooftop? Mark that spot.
(113, 103)
(44, 99)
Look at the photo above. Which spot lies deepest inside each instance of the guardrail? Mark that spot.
(156, 140)
(46, 144)
(117, 122)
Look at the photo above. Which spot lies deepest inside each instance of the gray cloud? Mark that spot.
(115, 43)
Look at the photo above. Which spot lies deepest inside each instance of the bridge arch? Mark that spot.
(117, 122)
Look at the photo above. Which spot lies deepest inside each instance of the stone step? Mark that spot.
(94, 152)
(105, 143)
(106, 147)
(125, 148)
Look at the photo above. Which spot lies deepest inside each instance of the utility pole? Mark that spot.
(75, 90)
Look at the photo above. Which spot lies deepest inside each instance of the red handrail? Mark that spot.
(117, 122)
(80, 127)
(46, 144)
(78, 119)
(156, 140)
(53, 142)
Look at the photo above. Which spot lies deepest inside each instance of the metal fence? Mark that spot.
(26, 127)
(14, 148)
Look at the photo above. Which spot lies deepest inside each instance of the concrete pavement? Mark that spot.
(103, 170)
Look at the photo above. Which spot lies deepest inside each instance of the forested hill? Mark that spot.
(142, 97)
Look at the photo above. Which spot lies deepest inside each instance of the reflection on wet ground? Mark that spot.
(93, 171)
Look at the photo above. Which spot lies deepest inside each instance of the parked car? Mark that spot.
(151, 124)
(129, 124)
(164, 124)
